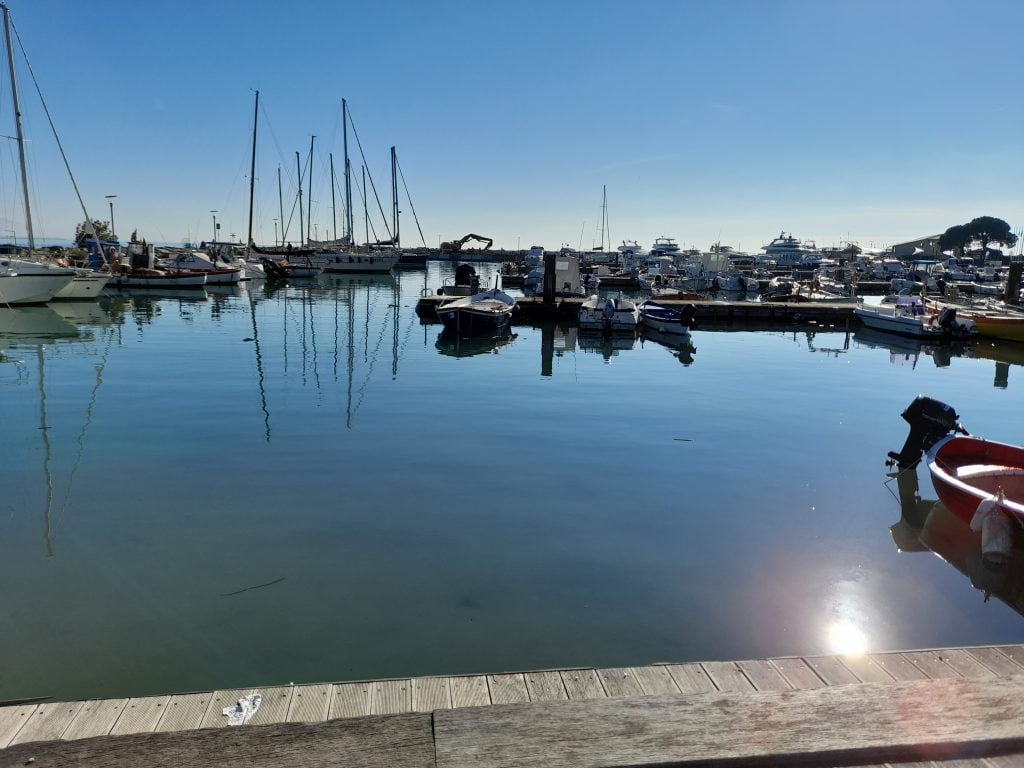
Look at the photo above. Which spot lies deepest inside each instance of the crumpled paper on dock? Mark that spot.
(242, 712)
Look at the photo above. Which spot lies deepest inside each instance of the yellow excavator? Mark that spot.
(456, 245)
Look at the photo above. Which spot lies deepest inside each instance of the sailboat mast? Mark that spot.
(394, 196)
(348, 174)
(334, 215)
(309, 198)
(252, 172)
(21, 133)
(280, 203)
(302, 216)
(366, 211)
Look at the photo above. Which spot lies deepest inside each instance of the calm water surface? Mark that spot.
(253, 487)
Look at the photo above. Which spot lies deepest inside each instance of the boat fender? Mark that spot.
(996, 530)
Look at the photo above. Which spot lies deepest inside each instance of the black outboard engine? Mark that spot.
(688, 315)
(930, 421)
(946, 317)
(464, 274)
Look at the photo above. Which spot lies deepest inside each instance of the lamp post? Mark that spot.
(215, 225)
(113, 232)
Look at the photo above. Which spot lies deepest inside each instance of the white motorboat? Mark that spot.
(609, 315)
(157, 279)
(198, 262)
(484, 312)
(86, 284)
(907, 317)
(734, 282)
(787, 251)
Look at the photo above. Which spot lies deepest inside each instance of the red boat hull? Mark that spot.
(968, 470)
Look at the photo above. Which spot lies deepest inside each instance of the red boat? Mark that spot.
(968, 470)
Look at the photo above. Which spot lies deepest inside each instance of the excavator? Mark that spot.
(456, 245)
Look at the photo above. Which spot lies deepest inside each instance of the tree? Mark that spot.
(988, 229)
(956, 238)
(102, 229)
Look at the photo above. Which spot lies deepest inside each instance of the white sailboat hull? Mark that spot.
(83, 287)
(31, 289)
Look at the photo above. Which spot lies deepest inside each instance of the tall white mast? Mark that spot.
(17, 122)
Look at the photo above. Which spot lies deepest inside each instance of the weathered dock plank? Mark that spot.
(831, 670)
(140, 715)
(506, 689)
(310, 703)
(620, 682)
(214, 716)
(470, 691)
(350, 700)
(866, 669)
(545, 686)
(1015, 653)
(727, 676)
(12, 720)
(798, 673)
(274, 706)
(897, 666)
(691, 678)
(999, 663)
(582, 684)
(965, 663)
(655, 680)
(931, 664)
(763, 675)
(430, 693)
(95, 718)
(48, 722)
(859, 724)
(392, 741)
(391, 697)
(184, 712)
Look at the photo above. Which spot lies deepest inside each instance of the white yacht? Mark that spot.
(787, 251)
(664, 245)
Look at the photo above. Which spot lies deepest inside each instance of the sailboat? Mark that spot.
(23, 281)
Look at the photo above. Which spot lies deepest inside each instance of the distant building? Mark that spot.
(923, 246)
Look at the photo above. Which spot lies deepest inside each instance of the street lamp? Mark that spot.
(113, 235)
(215, 225)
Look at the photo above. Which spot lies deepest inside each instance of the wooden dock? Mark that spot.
(962, 704)
(532, 308)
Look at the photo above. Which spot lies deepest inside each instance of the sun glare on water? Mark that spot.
(846, 640)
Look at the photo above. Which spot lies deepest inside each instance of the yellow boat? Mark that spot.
(994, 324)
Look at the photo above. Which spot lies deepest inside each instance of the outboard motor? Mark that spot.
(688, 315)
(930, 421)
(947, 316)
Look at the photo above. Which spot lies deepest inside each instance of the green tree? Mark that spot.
(956, 238)
(989, 229)
(102, 228)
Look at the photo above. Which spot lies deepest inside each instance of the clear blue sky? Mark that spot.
(878, 120)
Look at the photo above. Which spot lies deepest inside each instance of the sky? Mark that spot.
(706, 121)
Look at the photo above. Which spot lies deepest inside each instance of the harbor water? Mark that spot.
(308, 483)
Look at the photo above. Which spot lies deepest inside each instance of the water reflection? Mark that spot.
(25, 334)
(926, 525)
(606, 346)
(450, 343)
(681, 347)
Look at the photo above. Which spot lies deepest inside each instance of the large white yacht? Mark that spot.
(664, 245)
(787, 251)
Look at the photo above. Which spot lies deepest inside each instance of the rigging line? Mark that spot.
(85, 425)
(369, 371)
(48, 452)
(372, 185)
(409, 198)
(53, 128)
(260, 379)
(362, 199)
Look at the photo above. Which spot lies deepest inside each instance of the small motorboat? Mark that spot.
(658, 317)
(282, 269)
(909, 318)
(609, 315)
(966, 471)
(152, 278)
(483, 312)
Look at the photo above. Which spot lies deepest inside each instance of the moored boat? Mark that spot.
(662, 319)
(908, 318)
(992, 323)
(482, 312)
(609, 315)
(157, 279)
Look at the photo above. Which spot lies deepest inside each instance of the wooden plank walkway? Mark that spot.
(329, 701)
